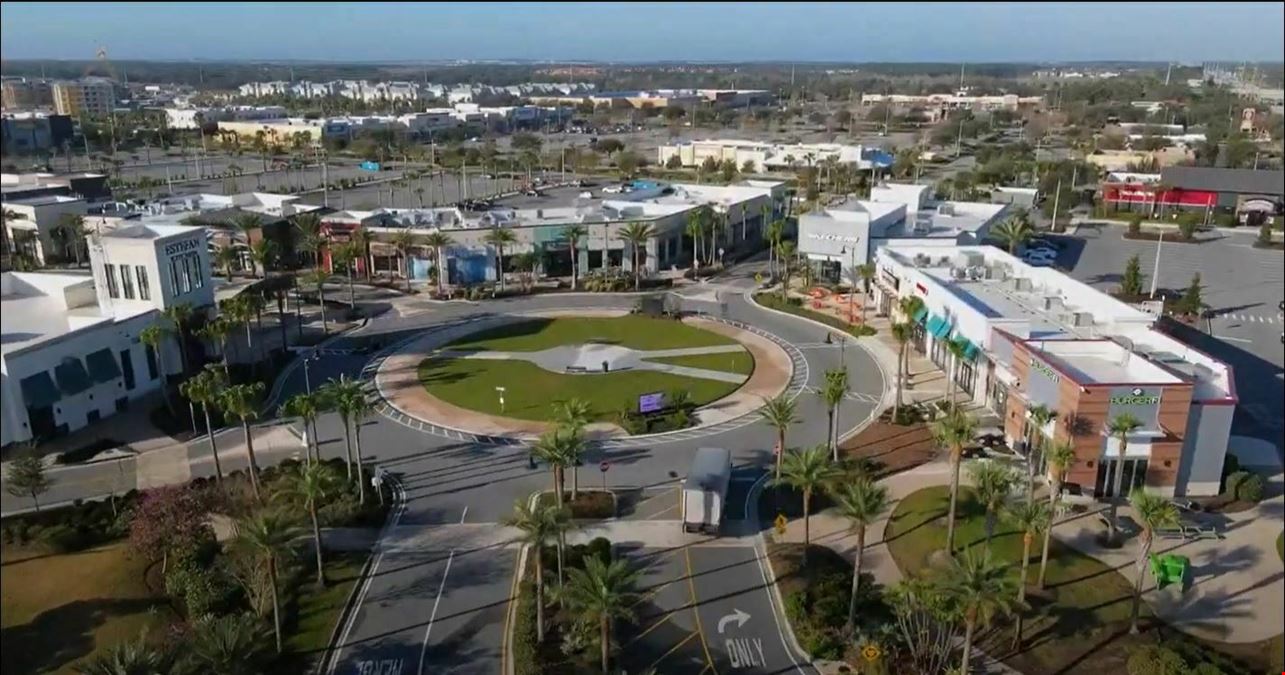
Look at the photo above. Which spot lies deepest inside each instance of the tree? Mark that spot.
(204, 389)
(1187, 224)
(439, 241)
(785, 254)
(1192, 301)
(306, 407)
(347, 255)
(696, 230)
(72, 227)
(154, 336)
(230, 645)
(1038, 418)
(958, 351)
(779, 413)
(1131, 281)
(169, 518)
(749, 167)
(227, 257)
(902, 332)
(1012, 233)
(239, 401)
(1153, 512)
(835, 390)
(540, 524)
(180, 315)
(775, 231)
(1031, 517)
(1060, 457)
(559, 447)
(1135, 224)
(728, 170)
(318, 278)
(248, 223)
(499, 238)
(1119, 427)
(348, 397)
(636, 235)
(954, 431)
(629, 162)
(404, 241)
(263, 253)
(268, 535)
(574, 414)
(310, 486)
(992, 483)
(574, 234)
(866, 273)
(27, 478)
(861, 503)
(807, 470)
(927, 622)
(308, 225)
(983, 590)
(134, 657)
(602, 592)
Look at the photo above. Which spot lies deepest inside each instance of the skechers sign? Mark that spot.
(177, 247)
(1136, 397)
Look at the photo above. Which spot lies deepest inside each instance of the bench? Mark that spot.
(1172, 533)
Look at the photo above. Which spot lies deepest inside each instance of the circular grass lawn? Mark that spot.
(531, 392)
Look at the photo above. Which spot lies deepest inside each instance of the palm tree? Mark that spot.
(903, 333)
(559, 448)
(1153, 512)
(807, 470)
(1038, 417)
(180, 315)
(1013, 232)
(1060, 456)
(992, 483)
(72, 225)
(983, 589)
(313, 483)
(230, 645)
(339, 394)
(308, 225)
(775, 230)
(1032, 518)
(239, 402)
(135, 657)
(1120, 427)
(226, 257)
(785, 254)
(602, 591)
(910, 306)
(247, 224)
(404, 241)
(573, 234)
(574, 414)
(318, 278)
(958, 354)
(155, 337)
(305, 406)
(637, 235)
(268, 535)
(696, 230)
(205, 389)
(866, 273)
(836, 389)
(779, 413)
(540, 524)
(439, 241)
(954, 431)
(862, 503)
(499, 238)
(263, 253)
(347, 255)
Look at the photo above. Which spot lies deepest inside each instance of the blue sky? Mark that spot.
(947, 32)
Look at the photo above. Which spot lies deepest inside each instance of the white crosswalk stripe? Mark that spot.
(1248, 318)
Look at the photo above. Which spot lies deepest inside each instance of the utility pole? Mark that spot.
(1057, 192)
(1168, 72)
(1155, 271)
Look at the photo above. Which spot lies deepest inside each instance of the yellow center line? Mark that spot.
(699, 630)
(672, 650)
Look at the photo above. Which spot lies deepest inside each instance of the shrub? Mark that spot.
(1250, 488)
(1187, 224)
(1156, 660)
(203, 588)
(864, 330)
(62, 538)
(526, 650)
(1265, 235)
(1135, 224)
(1232, 485)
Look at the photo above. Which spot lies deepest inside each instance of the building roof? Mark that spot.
(1102, 362)
(150, 231)
(1240, 181)
(34, 308)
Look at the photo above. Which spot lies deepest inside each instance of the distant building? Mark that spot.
(1025, 198)
(30, 132)
(88, 96)
(956, 100)
(18, 93)
(769, 156)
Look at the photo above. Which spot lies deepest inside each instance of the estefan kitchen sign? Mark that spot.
(177, 247)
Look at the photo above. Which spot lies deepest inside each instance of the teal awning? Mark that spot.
(921, 315)
(970, 349)
(938, 327)
(38, 391)
(102, 366)
(71, 376)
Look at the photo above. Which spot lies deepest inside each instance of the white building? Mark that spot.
(764, 156)
(844, 236)
(1032, 336)
(43, 218)
(193, 118)
(956, 100)
(71, 352)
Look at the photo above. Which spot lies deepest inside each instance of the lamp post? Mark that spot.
(1155, 272)
(500, 391)
(852, 280)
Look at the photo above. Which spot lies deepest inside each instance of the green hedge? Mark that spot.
(772, 300)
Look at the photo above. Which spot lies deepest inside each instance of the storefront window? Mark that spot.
(966, 376)
(997, 393)
(941, 354)
(918, 337)
(1135, 475)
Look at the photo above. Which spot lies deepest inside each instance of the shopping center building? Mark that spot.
(1033, 336)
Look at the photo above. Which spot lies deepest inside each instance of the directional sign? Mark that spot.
(779, 523)
(736, 616)
(871, 653)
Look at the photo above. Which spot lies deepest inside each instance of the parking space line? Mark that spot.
(691, 585)
(672, 650)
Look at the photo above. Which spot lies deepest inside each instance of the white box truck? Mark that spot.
(705, 490)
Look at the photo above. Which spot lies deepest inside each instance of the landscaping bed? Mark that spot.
(1079, 624)
(588, 504)
(892, 448)
(530, 656)
(773, 300)
(817, 596)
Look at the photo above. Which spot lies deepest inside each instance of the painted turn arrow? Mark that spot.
(737, 615)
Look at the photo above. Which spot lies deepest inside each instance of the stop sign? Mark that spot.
(604, 465)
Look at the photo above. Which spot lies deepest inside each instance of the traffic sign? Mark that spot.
(604, 465)
(779, 523)
(871, 653)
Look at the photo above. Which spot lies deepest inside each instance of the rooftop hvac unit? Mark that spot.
(1082, 319)
(946, 209)
(944, 260)
(1022, 284)
(921, 259)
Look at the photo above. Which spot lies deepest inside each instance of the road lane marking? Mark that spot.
(742, 652)
(1233, 339)
(672, 650)
(691, 584)
(463, 515)
(737, 615)
(423, 650)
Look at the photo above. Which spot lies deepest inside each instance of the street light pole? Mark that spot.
(1155, 272)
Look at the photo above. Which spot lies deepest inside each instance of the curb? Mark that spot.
(329, 658)
(769, 574)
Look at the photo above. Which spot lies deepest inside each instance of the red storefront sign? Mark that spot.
(1146, 194)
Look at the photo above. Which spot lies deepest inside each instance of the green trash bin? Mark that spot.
(1169, 569)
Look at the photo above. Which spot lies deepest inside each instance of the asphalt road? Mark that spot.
(1243, 287)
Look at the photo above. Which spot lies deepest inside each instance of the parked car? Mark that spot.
(1038, 262)
(1040, 242)
(614, 189)
(1041, 252)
